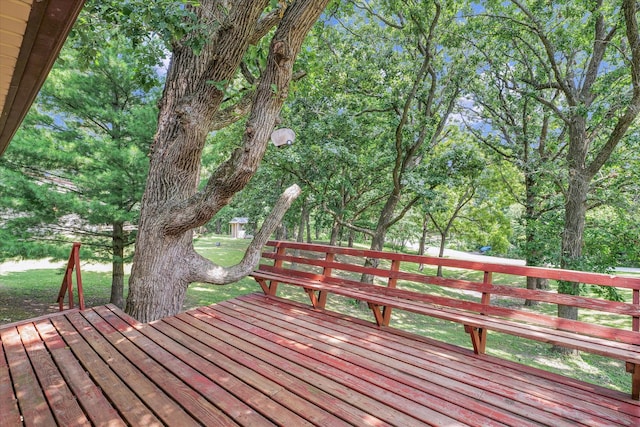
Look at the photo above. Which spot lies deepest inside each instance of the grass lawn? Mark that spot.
(31, 293)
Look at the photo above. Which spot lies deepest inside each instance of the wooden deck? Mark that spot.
(257, 361)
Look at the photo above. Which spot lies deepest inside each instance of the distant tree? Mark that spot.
(396, 69)
(77, 169)
(465, 196)
(581, 63)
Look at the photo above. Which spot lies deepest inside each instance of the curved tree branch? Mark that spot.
(204, 271)
(272, 91)
(551, 53)
(630, 10)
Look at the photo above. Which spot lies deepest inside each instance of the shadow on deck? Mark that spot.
(258, 361)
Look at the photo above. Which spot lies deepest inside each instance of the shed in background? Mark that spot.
(238, 227)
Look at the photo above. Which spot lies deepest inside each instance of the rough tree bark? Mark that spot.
(118, 243)
(165, 262)
(581, 168)
(589, 146)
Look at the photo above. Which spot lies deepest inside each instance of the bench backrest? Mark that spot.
(396, 270)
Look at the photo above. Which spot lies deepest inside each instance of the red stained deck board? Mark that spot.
(193, 373)
(98, 409)
(263, 361)
(473, 387)
(476, 401)
(532, 381)
(407, 411)
(33, 404)
(385, 373)
(126, 402)
(65, 408)
(289, 407)
(8, 401)
(154, 396)
(279, 372)
(302, 372)
(176, 390)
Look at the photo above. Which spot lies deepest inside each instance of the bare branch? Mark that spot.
(404, 211)
(205, 271)
(630, 9)
(600, 44)
(365, 6)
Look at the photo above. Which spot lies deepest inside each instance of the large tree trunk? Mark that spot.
(352, 237)
(422, 246)
(308, 222)
(335, 233)
(443, 244)
(117, 265)
(165, 262)
(304, 217)
(385, 220)
(574, 217)
(575, 210)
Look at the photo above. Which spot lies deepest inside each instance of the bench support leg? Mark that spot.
(377, 314)
(318, 300)
(478, 338)
(634, 370)
(268, 289)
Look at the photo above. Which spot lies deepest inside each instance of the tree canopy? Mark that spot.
(490, 123)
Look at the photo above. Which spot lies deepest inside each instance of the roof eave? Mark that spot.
(47, 29)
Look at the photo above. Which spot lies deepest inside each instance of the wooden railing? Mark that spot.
(67, 280)
(613, 329)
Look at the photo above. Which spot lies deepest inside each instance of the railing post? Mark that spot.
(486, 296)
(391, 283)
(76, 260)
(636, 301)
(67, 280)
(486, 300)
(326, 272)
(273, 285)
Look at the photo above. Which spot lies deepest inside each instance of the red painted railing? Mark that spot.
(67, 280)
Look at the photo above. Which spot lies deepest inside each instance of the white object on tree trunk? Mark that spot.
(283, 136)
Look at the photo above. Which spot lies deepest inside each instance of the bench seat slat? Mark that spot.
(605, 332)
(551, 336)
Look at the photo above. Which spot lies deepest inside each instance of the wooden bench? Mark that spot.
(322, 269)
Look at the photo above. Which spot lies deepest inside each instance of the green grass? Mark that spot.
(32, 293)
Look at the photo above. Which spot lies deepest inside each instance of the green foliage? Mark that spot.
(344, 112)
(82, 149)
(152, 27)
(467, 198)
(77, 168)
